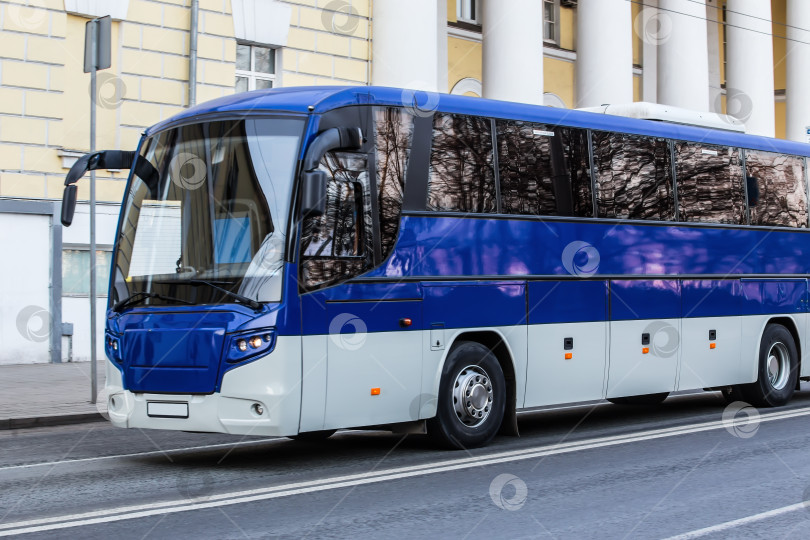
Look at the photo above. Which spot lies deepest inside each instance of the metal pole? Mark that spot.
(93, 374)
(192, 54)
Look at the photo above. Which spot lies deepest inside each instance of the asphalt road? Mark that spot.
(602, 471)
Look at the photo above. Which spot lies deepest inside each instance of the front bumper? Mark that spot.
(271, 384)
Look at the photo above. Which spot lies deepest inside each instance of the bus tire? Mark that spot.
(472, 398)
(313, 436)
(777, 371)
(644, 399)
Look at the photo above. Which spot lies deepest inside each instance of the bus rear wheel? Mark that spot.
(778, 369)
(645, 399)
(472, 398)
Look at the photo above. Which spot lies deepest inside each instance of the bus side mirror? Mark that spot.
(68, 204)
(107, 159)
(313, 193)
(313, 180)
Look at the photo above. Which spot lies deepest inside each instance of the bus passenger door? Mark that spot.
(374, 355)
(567, 342)
(363, 350)
(644, 337)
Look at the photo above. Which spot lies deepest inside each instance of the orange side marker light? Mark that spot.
(645, 350)
(568, 356)
(375, 391)
(712, 345)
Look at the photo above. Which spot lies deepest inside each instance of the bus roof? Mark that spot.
(326, 98)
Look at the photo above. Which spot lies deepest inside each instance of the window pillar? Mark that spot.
(797, 88)
(749, 66)
(683, 56)
(513, 50)
(604, 68)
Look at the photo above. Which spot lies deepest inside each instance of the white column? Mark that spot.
(604, 68)
(404, 44)
(513, 50)
(683, 65)
(749, 66)
(797, 88)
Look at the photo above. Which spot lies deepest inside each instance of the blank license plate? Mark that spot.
(162, 409)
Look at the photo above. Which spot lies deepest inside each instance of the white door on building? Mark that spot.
(25, 319)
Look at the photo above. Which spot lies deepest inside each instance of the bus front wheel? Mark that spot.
(472, 398)
(777, 371)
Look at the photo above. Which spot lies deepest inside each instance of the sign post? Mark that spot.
(97, 55)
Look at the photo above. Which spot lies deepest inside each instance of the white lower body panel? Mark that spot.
(270, 384)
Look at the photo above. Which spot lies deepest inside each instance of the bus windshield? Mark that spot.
(206, 224)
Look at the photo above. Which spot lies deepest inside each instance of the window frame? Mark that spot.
(252, 75)
(555, 40)
(85, 248)
(470, 7)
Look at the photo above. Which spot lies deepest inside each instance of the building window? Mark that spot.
(467, 11)
(76, 272)
(551, 21)
(255, 67)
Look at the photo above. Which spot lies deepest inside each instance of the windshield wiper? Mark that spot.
(142, 296)
(249, 302)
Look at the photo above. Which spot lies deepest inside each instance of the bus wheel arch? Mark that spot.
(495, 342)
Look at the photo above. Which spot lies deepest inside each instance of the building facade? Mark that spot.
(747, 58)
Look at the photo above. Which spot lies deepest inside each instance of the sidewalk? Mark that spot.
(34, 395)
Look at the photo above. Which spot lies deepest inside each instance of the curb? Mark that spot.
(47, 421)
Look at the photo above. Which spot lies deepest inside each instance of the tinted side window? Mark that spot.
(393, 136)
(543, 170)
(338, 244)
(633, 177)
(710, 183)
(462, 178)
(776, 191)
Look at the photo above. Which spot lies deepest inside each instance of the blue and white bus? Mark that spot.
(295, 261)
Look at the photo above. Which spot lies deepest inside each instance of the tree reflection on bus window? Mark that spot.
(393, 137)
(710, 183)
(338, 244)
(543, 170)
(633, 177)
(781, 196)
(462, 178)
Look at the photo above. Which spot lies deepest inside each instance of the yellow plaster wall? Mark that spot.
(635, 10)
(558, 78)
(463, 59)
(568, 27)
(780, 45)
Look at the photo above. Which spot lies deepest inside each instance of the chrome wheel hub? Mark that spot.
(472, 396)
(778, 365)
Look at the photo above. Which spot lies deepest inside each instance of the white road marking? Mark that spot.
(140, 454)
(298, 488)
(720, 527)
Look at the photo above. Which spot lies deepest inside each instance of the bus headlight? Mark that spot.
(112, 346)
(249, 344)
